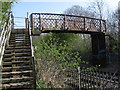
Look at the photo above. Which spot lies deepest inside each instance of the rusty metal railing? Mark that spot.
(93, 79)
(48, 21)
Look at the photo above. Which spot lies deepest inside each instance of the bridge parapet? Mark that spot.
(48, 21)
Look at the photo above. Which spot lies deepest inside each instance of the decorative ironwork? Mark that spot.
(47, 21)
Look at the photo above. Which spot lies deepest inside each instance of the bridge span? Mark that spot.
(62, 23)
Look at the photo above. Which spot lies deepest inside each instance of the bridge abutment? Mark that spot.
(99, 49)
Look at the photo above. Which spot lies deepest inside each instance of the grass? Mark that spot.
(41, 84)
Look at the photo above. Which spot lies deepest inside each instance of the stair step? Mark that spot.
(17, 72)
(17, 85)
(19, 43)
(17, 50)
(17, 58)
(17, 54)
(26, 38)
(19, 35)
(17, 78)
(16, 62)
(17, 47)
(19, 32)
(20, 40)
(17, 67)
(21, 29)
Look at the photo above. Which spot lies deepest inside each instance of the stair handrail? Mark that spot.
(30, 34)
(5, 35)
(32, 49)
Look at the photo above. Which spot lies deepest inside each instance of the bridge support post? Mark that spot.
(99, 49)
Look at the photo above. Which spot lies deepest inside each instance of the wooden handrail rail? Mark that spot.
(32, 50)
(5, 35)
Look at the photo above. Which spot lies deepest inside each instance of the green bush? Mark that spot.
(54, 48)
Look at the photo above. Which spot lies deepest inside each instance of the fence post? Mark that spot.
(79, 78)
(84, 24)
(32, 22)
(65, 22)
(40, 22)
(100, 25)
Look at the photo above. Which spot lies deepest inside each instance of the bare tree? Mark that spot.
(79, 11)
(98, 7)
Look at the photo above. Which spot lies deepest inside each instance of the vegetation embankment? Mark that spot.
(57, 53)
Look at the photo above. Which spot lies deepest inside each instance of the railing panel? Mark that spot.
(52, 22)
(47, 21)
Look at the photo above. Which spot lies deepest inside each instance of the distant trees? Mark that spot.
(79, 11)
(112, 22)
(85, 39)
(112, 26)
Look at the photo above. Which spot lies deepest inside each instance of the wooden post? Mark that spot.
(26, 23)
(79, 78)
(34, 73)
(105, 25)
(32, 22)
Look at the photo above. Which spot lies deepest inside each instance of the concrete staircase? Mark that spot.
(18, 65)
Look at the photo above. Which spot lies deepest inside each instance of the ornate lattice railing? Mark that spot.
(47, 21)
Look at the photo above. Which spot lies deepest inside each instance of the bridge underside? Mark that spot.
(37, 32)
